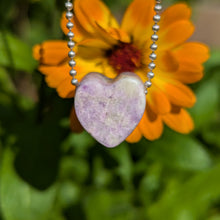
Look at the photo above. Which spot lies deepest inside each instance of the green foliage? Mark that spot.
(19, 200)
(189, 154)
(190, 200)
(15, 53)
(49, 173)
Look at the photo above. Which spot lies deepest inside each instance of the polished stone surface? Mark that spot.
(110, 109)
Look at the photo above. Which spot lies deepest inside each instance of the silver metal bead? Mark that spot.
(156, 18)
(153, 47)
(70, 34)
(146, 92)
(156, 27)
(75, 82)
(148, 84)
(158, 7)
(153, 56)
(72, 72)
(154, 37)
(72, 63)
(69, 25)
(69, 5)
(69, 15)
(151, 65)
(71, 44)
(150, 75)
(71, 54)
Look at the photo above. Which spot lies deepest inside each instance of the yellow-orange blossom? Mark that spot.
(104, 46)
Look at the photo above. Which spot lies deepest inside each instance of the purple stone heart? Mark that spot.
(110, 109)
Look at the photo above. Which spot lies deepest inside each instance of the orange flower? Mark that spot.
(105, 46)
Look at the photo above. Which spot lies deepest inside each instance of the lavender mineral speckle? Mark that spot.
(110, 109)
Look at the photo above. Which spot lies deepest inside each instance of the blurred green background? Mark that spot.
(48, 173)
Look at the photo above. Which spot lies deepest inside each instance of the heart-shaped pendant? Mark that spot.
(110, 109)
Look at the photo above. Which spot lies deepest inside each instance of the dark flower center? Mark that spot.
(124, 57)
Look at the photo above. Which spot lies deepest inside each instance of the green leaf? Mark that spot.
(79, 142)
(109, 205)
(189, 200)
(117, 5)
(213, 61)
(125, 168)
(74, 168)
(101, 175)
(39, 138)
(150, 183)
(206, 107)
(6, 84)
(69, 193)
(216, 217)
(211, 135)
(19, 201)
(5, 11)
(180, 152)
(15, 53)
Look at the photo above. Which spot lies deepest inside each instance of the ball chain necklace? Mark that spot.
(110, 109)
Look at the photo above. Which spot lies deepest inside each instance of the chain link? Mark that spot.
(153, 47)
(71, 43)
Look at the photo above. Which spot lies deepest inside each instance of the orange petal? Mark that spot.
(91, 12)
(55, 74)
(135, 136)
(89, 53)
(75, 125)
(78, 30)
(65, 89)
(137, 20)
(51, 52)
(179, 120)
(175, 13)
(115, 33)
(188, 72)
(144, 47)
(108, 70)
(92, 48)
(166, 61)
(37, 52)
(107, 35)
(178, 93)
(158, 101)
(175, 34)
(122, 35)
(151, 125)
(142, 74)
(192, 52)
(95, 43)
(58, 76)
